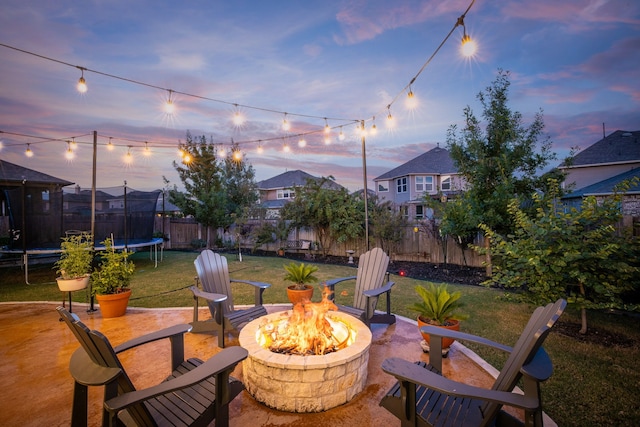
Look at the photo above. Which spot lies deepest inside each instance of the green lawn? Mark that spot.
(593, 385)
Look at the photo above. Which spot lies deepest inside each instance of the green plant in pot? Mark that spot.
(300, 274)
(438, 307)
(110, 281)
(74, 265)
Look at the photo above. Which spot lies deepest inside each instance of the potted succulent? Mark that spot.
(300, 274)
(110, 281)
(74, 265)
(438, 307)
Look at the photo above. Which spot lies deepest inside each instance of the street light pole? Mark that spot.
(366, 191)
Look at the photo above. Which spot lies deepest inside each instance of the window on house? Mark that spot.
(401, 185)
(445, 185)
(383, 186)
(419, 212)
(287, 193)
(424, 183)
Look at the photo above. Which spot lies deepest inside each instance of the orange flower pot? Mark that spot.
(114, 305)
(446, 342)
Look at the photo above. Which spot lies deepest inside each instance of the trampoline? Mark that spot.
(119, 245)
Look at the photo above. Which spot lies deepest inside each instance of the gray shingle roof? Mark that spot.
(620, 146)
(435, 161)
(290, 179)
(11, 174)
(606, 186)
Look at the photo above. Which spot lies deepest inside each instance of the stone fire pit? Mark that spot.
(296, 383)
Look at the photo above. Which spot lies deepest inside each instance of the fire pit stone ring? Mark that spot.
(296, 383)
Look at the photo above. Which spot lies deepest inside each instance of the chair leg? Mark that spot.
(79, 412)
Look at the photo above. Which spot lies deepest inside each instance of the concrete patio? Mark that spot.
(37, 388)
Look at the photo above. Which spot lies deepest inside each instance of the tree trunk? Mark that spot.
(487, 245)
(583, 313)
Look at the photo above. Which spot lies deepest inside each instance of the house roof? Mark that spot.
(607, 186)
(619, 147)
(436, 161)
(11, 174)
(290, 179)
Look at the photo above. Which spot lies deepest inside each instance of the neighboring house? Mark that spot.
(30, 207)
(276, 191)
(430, 174)
(596, 170)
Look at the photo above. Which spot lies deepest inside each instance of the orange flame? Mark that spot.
(307, 330)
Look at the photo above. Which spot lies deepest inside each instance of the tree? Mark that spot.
(333, 214)
(217, 191)
(387, 224)
(576, 254)
(500, 162)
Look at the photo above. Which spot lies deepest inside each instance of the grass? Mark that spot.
(592, 385)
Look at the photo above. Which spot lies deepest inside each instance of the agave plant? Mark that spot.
(437, 305)
(300, 274)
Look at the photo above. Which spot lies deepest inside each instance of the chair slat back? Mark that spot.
(530, 341)
(213, 273)
(101, 352)
(372, 267)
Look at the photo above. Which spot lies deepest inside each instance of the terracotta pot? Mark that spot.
(446, 342)
(113, 305)
(70, 285)
(297, 295)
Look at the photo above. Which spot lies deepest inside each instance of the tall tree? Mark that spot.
(501, 161)
(334, 214)
(217, 191)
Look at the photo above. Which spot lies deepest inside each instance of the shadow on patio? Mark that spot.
(37, 388)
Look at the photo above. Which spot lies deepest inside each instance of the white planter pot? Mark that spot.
(70, 285)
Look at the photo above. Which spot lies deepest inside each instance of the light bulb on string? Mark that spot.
(238, 117)
(82, 84)
(285, 146)
(327, 139)
(186, 158)
(28, 152)
(327, 129)
(374, 129)
(222, 153)
(391, 121)
(69, 153)
(128, 158)
(110, 146)
(302, 143)
(73, 144)
(411, 102)
(237, 156)
(286, 126)
(260, 149)
(468, 47)
(341, 135)
(147, 150)
(169, 106)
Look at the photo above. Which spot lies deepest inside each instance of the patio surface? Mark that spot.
(37, 388)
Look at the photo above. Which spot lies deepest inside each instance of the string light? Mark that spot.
(327, 139)
(169, 106)
(147, 151)
(128, 158)
(412, 102)
(341, 135)
(237, 155)
(468, 47)
(110, 146)
(28, 153)
(73, 145)
(222, 152)
(238, 118)
(186, 158)
(82, 84)
(69, 154)
(374, 129)
(259, 150)
(302, 143)
(391, 121)
(285, 124)
(327, 129)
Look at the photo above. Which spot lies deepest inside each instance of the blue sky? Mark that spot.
(577, 61)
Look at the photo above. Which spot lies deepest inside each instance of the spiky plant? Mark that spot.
(437, 305)
(300, 274)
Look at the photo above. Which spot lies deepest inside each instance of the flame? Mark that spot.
(306, 331)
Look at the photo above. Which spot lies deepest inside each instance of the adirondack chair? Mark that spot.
(372, 281)
(423, 397)
(194, 394)
(213, 273)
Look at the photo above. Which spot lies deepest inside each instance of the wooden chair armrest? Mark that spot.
(225, 360)
(169, 332)
(410, 372)
(462, 336)
(209, 296)
(84, 371)
(260, 285)
(331, 283)
(381, 290)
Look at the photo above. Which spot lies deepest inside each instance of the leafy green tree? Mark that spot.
(575, 254)
(334, 214)
(501, 161)
(216, 191)
(387, 224)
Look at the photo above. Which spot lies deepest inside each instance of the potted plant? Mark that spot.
(74, 265)
(300, 274)
(439, 308)
(110, 281)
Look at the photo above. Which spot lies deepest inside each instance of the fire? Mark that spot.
(307, 330)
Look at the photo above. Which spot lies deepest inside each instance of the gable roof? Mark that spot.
(606, 187)
(620, 147)
(11, 174)
(436, 161)
(290, 179)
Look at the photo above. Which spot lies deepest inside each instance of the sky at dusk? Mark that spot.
(344, 60)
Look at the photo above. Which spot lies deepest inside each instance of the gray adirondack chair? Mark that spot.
(372, 281)
(213, 274)
(195, 394)
(423, 397)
